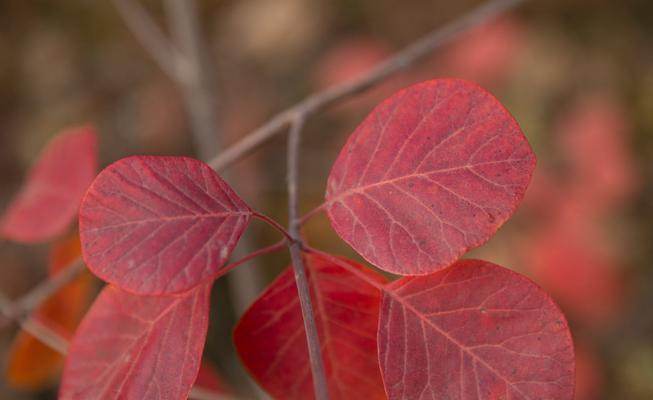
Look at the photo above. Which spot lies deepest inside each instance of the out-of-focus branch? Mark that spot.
(39, 294)
(401, 60)
(21, 308)
(33, 326)
(194, 81)
(150, 36)
(184, 60)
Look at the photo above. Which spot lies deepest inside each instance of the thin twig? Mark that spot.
(296, 255)
(45, 334)
(33, 326)
(150, 36)
(399, 61)
(39, 294)
(30, 301)
(277, 226)
(194, 81)
(306, 217)
(7, 307)
(260, 252)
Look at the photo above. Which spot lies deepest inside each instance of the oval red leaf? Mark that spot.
(159, 225)
(432, 172)
(474, 331)
(271, 341)
(48, 201)
(137, 347)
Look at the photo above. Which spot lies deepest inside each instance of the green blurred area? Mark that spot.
(552, 63)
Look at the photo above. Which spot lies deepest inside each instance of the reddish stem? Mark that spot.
(260, 252)
(304, 218)
(273, 224)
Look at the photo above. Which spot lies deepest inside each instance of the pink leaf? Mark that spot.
(137, 347)
(432, 172)
(473, 331)
(271, 341)
(159, 225)
(48, 201)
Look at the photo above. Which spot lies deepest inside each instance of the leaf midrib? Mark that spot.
(167, 219)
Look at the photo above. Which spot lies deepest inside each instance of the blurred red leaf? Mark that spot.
(271, 341)
(33, 365)
(349, 59)
(569, 254)
(572, 265)
(487, 53)
(594, 135)
(137, 347)
(473, 330)
(159, 225)
(432, 172)
(48, 201)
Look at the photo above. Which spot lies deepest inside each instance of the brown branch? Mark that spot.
(399, 61)
(297, 257)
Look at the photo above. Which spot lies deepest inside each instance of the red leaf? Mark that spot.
(137, 347)
(48, 201)
(271, 341)
(154, 225)
(432, 172)
(473, 331)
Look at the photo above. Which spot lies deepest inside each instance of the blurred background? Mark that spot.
(577, 75)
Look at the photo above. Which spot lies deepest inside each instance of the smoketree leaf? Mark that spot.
(49, 199)
(432, 172)
(159, 225)
(271, 341)
(473, 331)
(137, 347)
